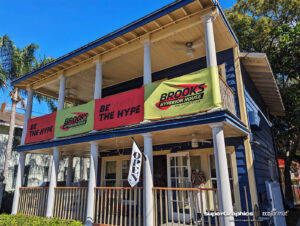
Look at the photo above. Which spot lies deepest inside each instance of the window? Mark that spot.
(26, 175)
(15, 176)
(45, 173)
(213, 175)
(110, 177)
(195, 162)
(125, 170)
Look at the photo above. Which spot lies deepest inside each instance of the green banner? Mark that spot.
(191, 93)
(76, 120)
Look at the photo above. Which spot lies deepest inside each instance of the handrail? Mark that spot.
(119, 188)
(184, 189)
(223, 80)
(71, 188)
(23, 188)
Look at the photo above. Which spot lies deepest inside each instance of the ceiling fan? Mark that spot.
(189, 47)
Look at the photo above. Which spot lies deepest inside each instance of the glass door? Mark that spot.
(179, 174)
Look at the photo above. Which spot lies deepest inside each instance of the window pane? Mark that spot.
(178, 170)
(125, 183)
(214, 183)
(184, 160)
(110, 183)
(195, 162)
(125, 168)
(173, 173)
(172, 161)
(173, 183)
(212, 166)
(110, 170)
(185, 172)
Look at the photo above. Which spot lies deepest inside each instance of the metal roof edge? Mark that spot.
(131, 26)
(217, 4)
(264, 55)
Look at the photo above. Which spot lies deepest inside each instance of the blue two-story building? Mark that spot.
(210, 162)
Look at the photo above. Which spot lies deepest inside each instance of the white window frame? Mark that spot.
(122, 180)
(104, 178)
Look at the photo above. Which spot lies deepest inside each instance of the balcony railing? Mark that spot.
(33, 201)
(227, 96)
(70, 203)
(118, 206)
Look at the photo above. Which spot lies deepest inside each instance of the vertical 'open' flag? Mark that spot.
(135, 165)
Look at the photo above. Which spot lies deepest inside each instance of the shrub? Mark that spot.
(20, 219)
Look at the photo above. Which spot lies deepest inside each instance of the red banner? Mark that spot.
(41, 128)
(119, 110)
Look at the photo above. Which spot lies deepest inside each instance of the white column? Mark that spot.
(224, 191)
(69, 171)
(92, 183)
(61, 94)
(147, 63)
(19, 182)
(148, 180)
(53, 180)
(211, 57)
(148, 149)
(98, 80)
(27, 114)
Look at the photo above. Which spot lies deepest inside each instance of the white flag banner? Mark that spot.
(135, 165)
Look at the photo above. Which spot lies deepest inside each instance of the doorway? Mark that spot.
(160, 171)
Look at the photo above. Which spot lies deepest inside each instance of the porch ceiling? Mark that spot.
(166, 136)
(122, 54)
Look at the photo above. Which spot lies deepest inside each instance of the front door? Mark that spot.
(179, 174)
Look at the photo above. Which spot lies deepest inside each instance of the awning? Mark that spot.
(258, 68)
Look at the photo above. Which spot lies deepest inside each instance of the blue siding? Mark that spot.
(261, 141)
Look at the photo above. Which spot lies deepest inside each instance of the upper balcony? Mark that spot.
(162, 47)
(121, 53)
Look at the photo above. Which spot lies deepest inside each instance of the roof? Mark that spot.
(258, 68)
(87, 51)
(5, 119)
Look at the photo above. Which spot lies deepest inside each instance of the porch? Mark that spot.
(124, 205)
(179, 147)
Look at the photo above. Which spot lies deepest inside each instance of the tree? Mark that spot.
(15, 62)
(273, 27)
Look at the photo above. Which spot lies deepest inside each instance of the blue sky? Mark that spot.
(60, 26)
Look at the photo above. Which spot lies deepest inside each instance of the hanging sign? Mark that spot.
(40, 129)
(75, 120)
(119, 110)
(191, 93)
(135, 165)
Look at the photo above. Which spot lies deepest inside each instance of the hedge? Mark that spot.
(20, 219)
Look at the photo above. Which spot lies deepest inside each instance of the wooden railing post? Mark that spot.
(184, 206)
(32, 201)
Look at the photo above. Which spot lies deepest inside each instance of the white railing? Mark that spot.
(118, 206)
